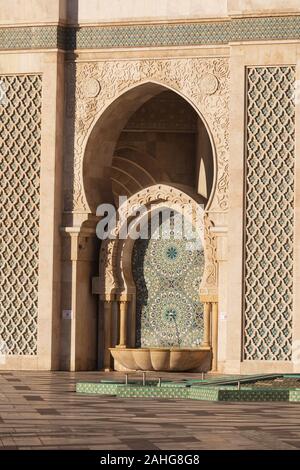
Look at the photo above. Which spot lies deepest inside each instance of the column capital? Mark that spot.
(124, 298)
(107, 298)
(208, 297)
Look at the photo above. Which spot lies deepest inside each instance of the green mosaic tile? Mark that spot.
(181, 391)
(174, 384)
(155, 35)
(253, 395)
(36, 37)
(294, 395)
(153, 392)
(97, 388)
(208, 394)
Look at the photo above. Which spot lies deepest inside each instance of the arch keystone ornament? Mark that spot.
(92, 88)
(209, 84)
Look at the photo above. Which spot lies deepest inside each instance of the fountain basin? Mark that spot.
(162, 359)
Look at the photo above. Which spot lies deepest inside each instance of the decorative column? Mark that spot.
(123, 324)
(206, 324)
(78, 330)
(214, 336)
(107, 334)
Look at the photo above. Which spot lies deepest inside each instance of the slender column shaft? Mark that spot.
(206, 324)
(215, 336)
(123, 325)
(107, 334)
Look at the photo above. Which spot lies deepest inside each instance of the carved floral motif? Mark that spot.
(182, 75)
(209, 84)
(92, 88)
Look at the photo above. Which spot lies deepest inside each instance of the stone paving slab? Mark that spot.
(80, 421)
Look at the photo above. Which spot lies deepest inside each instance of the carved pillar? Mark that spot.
(214, 336)
(107, 304)
(206, 324)
(219, 231)
(78, 329)
(123, 324)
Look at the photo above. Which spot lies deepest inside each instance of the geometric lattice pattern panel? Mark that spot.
(167, 270)
(20, 135)
(145, 35)
(269, 221)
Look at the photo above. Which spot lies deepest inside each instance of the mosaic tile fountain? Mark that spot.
(167, 271)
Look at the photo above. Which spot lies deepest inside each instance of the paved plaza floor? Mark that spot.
(40, 410)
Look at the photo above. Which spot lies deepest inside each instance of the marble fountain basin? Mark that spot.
(162, 359)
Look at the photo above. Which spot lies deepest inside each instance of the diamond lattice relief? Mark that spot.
(20, 136)
(269, 213)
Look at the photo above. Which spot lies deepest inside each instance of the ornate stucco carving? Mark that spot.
(184, 75)
(114, 250)
(209, 281)
(209, 84)
(92, 88)
(20, 162)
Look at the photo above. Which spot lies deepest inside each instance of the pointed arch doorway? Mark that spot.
(153, 317)
(134, 148)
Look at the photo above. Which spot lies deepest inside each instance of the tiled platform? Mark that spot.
(42, 411)
(227, 388)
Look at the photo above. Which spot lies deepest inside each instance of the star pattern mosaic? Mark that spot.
(167, 274)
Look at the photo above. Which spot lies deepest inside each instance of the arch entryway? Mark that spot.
(173, 116)
(169, 161)
(117, 283)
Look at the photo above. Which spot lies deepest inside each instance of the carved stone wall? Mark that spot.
(20, 135)
(93, 86)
